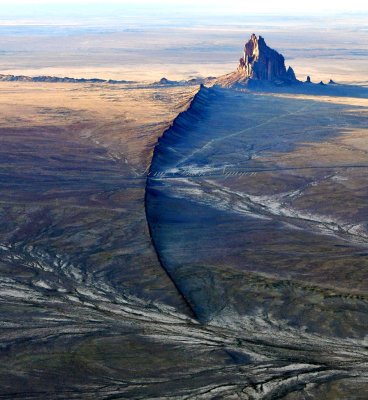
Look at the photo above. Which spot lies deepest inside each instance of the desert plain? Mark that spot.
(183, 239)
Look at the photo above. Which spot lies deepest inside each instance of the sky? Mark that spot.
(40, 7)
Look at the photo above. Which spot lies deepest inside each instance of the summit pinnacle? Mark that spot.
(263, 63)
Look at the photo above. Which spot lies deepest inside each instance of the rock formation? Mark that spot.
(263, 63)
(259, 66)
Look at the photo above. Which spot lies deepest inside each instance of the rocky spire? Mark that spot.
(263, 63)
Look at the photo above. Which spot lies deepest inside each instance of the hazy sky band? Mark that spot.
(68, 7)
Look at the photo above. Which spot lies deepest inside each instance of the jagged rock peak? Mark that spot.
(291, 74)
(263, 63)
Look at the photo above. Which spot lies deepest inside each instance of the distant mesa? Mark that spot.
(193, 81)
(263, 63)
(308, 79)
(55, 79)
(165, 81)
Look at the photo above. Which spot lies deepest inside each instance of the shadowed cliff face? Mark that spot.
(232, 186)
(257, 209)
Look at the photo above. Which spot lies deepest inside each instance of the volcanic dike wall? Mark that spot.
(165, 158)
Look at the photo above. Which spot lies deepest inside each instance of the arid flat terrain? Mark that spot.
(184, 238)
(74, 237)
(255, 282)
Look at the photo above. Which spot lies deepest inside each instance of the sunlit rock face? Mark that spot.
(261, 62)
